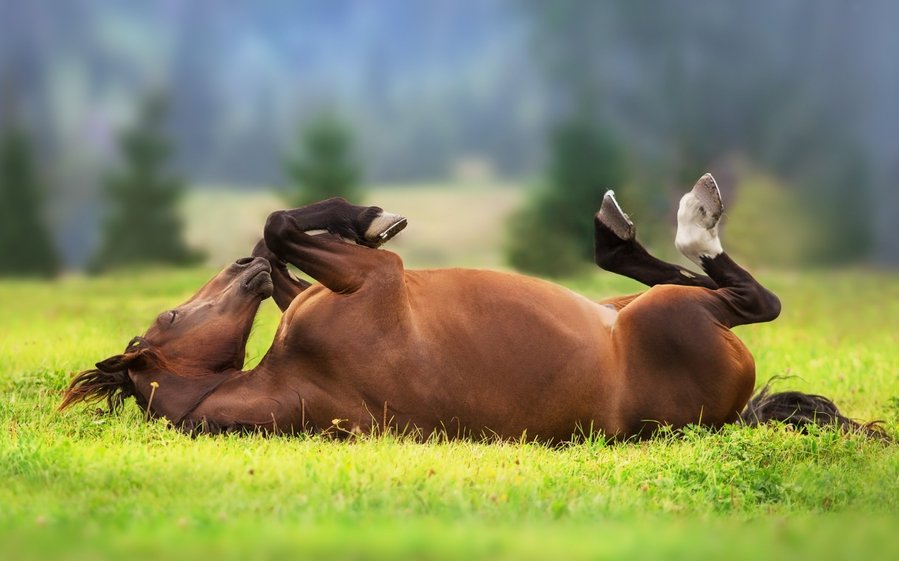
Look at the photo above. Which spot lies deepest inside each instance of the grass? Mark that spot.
(81, 486)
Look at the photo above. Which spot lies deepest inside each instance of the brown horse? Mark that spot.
(463, 352)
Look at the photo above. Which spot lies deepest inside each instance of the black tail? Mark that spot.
(801, 410)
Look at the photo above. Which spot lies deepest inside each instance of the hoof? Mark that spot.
(384, 227)
(709, 198)
(614, 219)
(697, 221)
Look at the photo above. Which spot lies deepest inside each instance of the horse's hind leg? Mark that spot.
(682, 362)
(617, 250)
(744, 299)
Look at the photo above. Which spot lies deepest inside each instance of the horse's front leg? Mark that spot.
(286, 286)
(370, 226)
(332, 241)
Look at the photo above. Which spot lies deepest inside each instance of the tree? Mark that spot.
(142, 224)
(698, 83)
(325, 165)
(553, 234)
(25, 243)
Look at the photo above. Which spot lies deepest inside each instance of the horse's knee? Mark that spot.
(277, 226)
(768, 305)
(755, 304)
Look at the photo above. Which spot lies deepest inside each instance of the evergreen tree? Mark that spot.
(142, 224)
(553, 234)
(325, 165)
(25, 243)
(792, 113)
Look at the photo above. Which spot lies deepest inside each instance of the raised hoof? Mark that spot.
(614, 219)
(709, 198)
(697, 221)
(384, 227)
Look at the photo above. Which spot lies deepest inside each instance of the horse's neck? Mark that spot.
(254, 399)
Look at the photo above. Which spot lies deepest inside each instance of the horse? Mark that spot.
(372, 346)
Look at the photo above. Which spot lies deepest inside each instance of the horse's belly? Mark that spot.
(490, 353)
(516, 368)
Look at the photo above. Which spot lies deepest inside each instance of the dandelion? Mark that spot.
(153, 385)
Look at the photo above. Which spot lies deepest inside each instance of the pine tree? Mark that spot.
(25, 243)
(142, 224)
(553, 234)
(325, 165)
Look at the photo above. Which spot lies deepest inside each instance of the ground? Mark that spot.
(77, 485)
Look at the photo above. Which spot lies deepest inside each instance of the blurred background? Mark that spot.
(165, 131)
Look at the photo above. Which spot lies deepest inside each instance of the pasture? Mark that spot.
(84, 486)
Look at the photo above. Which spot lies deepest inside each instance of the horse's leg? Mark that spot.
(674, 345)
(682, 363)
(742, 299)
(286, 286)
(326, 241)
(333, 216)
(617, 250)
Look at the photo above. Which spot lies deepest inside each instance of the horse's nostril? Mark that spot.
(245, 260)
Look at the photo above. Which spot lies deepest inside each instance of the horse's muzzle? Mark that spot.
(256, 277)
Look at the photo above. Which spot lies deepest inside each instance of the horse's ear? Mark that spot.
(118, 363)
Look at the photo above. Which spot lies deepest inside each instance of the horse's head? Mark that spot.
(187, 351)
(208, 333)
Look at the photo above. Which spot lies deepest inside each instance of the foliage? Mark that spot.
(533, 247)
(79, 485)
(142, 225)
(553, 234)
(26, 247)
(767, 224)
(685, 112)
(325, 165)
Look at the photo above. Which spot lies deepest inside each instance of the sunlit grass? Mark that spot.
(79, 485)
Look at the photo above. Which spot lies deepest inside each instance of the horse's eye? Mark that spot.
(174, 313)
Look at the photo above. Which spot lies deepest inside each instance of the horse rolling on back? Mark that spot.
(466, 353)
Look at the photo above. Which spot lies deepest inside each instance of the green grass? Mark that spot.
(81, 486)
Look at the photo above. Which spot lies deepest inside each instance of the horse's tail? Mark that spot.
(801, 410)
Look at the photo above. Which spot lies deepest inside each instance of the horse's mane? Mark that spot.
(109, 380)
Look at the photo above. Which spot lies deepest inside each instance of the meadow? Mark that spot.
(80, 485)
